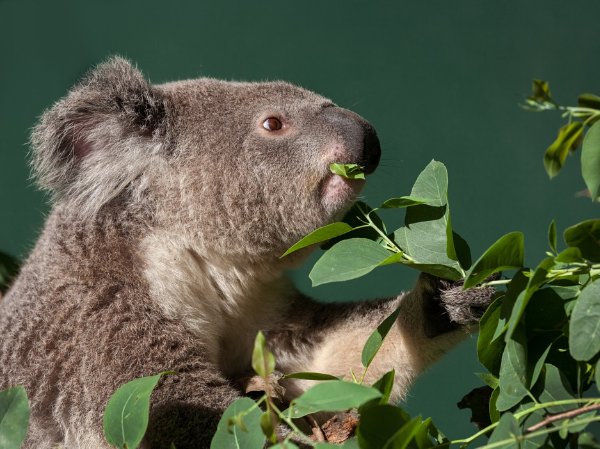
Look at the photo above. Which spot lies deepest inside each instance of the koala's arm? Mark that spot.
(329, 338)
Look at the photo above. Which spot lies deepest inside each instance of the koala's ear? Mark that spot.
(112, 103)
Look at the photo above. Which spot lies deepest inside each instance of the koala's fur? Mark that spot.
(171, 206)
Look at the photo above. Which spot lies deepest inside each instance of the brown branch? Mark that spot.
(316, 429)
(565, 415)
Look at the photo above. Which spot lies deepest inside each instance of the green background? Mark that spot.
(438, 79)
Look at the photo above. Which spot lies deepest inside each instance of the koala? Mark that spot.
(171, 205)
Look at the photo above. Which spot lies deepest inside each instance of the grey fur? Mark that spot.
(171, 206)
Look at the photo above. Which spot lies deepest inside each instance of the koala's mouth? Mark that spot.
(338, 192)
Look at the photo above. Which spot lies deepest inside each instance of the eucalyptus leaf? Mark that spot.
(490, 347)
(513, 372)
(348, 259)
(556, 388)
(375, 340)
(586, 237)
(404, 436)
(332, 396)
(378, 424)
(584, 327)
(432, 184)
(348, 171)
(552, 239)
(589, 101)
(569, 255)
(508, 430)
(489, 379)
(319, 235)
(405, 201)
(263, 360)
(566, 141)
(506, 253)
(310, 376)
(228, 436)
(590, 160)
(385, 384)
(127, 410)
(14, 417)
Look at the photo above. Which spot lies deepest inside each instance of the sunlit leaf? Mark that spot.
(127, 410)
(332, 396)
(506, 253)
(320, 235)
(584, 327)
(566, 141)
(14, 417)
(310, 376)
(586, 237)
(589, 101)
(375, 340)
(590, 160)
(263, 360)
(349, 171)
(348, 259)
(230, 435)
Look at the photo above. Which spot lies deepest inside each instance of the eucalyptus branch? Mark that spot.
(565, 415)
(522, 413)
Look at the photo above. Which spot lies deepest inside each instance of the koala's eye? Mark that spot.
(272, 124)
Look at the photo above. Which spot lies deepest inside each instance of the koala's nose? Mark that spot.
(371, 150)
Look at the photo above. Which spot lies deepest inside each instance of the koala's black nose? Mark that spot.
(371, 150)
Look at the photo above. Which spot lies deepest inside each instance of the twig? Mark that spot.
(565, 415)
(316, 428)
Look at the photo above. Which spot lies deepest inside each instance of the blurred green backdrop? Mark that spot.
(438, 79)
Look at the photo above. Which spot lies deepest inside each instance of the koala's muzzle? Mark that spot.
(358, 136)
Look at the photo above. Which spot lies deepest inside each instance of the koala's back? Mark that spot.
(72, 334)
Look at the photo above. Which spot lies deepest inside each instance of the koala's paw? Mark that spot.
(448, 306)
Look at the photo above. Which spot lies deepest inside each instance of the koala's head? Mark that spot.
(238, 168)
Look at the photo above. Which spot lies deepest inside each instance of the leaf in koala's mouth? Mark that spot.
(348, 171)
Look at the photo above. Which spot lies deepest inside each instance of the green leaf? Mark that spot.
(535, 282)
(405, 201)
(320, 235)
(404, 436)
(489, 347)
(230, 435)
(590, 160)
(432, 183)
(584, 327)
(375, 340)
(507, 430)
(566, 141)
(493, 410)
(552, 240)
(268, 420)
(489, 379)
(569, 255)
(126, 413)
(586, 237)
(348, 259)
(14, 417)
(263, 360)
(349, 171)
(332, 396)
(597, 374)
(556, 388)
(310, 376)
(378, 424)
(540, 91)
(385, 384)
(506, 253)
(589, 101)
(513, 372)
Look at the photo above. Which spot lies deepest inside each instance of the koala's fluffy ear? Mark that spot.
(113, 102)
